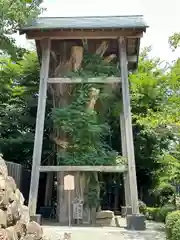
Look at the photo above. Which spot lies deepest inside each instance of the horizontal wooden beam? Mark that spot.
(122, 168)
(109, 80)
(84, 34)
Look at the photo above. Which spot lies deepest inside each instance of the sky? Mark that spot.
(162, 17)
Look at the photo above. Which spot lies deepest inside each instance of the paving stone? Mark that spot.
(154, 231)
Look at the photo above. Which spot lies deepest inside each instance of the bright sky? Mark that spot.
(162, 16)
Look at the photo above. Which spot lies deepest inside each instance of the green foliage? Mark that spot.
(174, 40)
(142, 207)
(14, 14)
(19, 82)
(159, 214)
(164, 211)
(171, 220)
(84, 127)
(8, 47)
(176, 231)
(160, 94)
(91, 195)
(152, 213)
(170, 169)
(86, 137)
(93, 65)
(155, 108)
(164, 194)
(177, 199)
(147, 95)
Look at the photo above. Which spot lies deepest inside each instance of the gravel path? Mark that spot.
(104, 233)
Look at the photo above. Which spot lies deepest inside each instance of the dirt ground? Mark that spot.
(55, 232)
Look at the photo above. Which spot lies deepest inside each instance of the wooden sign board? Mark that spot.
(69, 182)
(77, 211)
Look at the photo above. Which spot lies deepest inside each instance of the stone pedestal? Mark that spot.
(136, 222)
(37, 218)
(126, 211)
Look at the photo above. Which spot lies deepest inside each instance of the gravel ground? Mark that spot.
(55, 232)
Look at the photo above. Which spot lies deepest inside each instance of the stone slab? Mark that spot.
(105, 214)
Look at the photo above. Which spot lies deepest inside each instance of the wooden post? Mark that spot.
(49, 185)
(128, 126)
(124, 154)
(45, 45)
(49, 189)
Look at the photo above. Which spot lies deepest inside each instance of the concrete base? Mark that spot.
(126, 211)
(136, 222)
(37, 218)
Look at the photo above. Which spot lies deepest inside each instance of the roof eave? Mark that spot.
(26, 30)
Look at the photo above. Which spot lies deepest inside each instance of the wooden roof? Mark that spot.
(103, 22)
(101, 27)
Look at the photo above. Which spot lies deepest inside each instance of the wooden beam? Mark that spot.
(128, 126)
(45, 44)
(83, 34)
(124, 154)
(89, 80)
(122, 168)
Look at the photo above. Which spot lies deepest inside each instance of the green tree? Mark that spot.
(174, 41)
(154, 90)
(19, 83)
(13, 15)
(155, 107)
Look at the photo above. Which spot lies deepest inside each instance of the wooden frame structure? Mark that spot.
(120, 34)
(83, 168)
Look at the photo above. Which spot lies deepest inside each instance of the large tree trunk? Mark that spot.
(61, 98)
(61, 140)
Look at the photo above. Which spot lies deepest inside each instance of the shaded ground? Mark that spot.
(154, 231)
